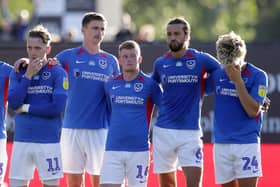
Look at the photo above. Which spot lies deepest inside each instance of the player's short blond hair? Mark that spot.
(130, 44)
(231, 49)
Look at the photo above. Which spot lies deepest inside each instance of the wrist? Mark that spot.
(25, 108)
(27, 76)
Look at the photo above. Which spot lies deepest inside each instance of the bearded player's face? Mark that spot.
(176, 37)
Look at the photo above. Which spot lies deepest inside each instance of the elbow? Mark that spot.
(13, 103)
(254, 112)
(58, 110)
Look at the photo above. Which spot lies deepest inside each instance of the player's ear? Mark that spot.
(48, 50)
(140, 58)
(119, 61)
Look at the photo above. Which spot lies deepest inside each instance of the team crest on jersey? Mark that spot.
(46, 75)
(261, 90)
(190, 64)
(103, 64)
(138, 87)
(65, 83)
(179, 64)
(91, 63)
(77, 73)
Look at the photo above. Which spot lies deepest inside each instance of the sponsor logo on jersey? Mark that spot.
(127, 85)
(46, 75)
(179, 64)
(91, 63)
(43, 89)
(77, 73)
(123, 99)
(80, 61)
(65, 83)
(226, 91)
(115, 87)
(223, 79)
(166, 65)
(163, 79)
(102, 64)
(182, 79)
(36, 77)
(190, 64)
(262, 91)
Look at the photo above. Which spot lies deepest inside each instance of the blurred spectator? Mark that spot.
(70, 35)
(20, 26)
(127, 29)
(146, 33)
(6, 20)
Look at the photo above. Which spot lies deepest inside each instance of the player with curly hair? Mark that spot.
(239, 90)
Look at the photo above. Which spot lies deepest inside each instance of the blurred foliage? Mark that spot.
(252, 19)
(14, 6)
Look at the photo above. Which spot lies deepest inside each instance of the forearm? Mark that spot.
(249, 104)
(17, 92)
(53, 109)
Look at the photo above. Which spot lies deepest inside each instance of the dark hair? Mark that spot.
(130, 44)
(39, 31)
(183, 21)
(88, 17)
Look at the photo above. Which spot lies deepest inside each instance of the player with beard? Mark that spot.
(177, 132)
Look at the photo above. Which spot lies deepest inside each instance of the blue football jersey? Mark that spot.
(46, 93)
(86, 102)
(231, 122)
(183, 82)
(131, 104)
(5, 70)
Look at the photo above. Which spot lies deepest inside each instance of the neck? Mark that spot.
(180, 53)
(130, 75)
(243, 66)
(91, 48)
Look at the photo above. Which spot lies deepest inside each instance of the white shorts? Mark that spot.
(120, 165)
(235, 161)
(83, 150)
(28, 156)
(174, 148)
(3, 159)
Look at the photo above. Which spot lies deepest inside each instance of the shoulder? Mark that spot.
(5, 68)
(58, 70)
(258, 72)
(108, 56)
(67, 52)
(201, 54)
(165, 57)
(146, 78)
